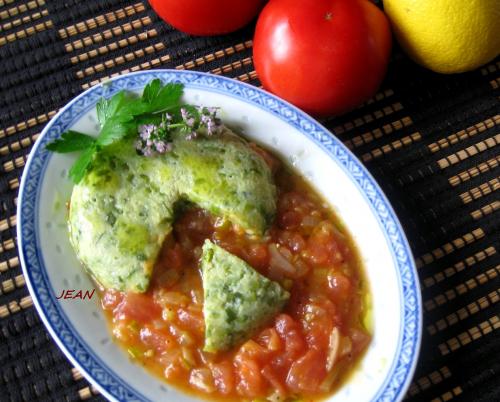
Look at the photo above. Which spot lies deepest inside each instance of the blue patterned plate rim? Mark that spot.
(58, 324)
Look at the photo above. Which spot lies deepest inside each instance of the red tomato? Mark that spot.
(207, 17)
(324, 56)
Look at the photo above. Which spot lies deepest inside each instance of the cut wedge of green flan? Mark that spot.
(122, 210)
(237, 299)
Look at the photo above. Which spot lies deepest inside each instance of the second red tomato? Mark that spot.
(207, 17)
(324, 56)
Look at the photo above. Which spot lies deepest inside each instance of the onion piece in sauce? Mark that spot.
(333, 349)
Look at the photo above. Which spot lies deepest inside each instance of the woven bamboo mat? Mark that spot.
(431, 141)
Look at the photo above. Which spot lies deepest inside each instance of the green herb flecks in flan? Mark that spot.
(123, 208)
(237, 299)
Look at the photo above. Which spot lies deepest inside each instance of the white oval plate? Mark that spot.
(79, 327)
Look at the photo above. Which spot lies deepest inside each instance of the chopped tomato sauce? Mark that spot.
(307, 350)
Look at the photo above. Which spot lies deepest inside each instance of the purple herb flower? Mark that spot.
(147, 151)
(153, 139)
(187, 118)
(159, 146)
(146, 130)
(205, 119)
(157, 139)
(211, 127)
(209, 120)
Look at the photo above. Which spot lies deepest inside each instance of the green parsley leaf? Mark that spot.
(120, 117)
(151, 90)
(102, 108)
(135, 107)
(167, 97)
(79, 168)
(115, 130)
(155, 99)
(71, 141)
(109, 108)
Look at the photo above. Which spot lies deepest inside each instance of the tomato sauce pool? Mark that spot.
(305, 353)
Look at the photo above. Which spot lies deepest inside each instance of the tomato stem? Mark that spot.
(328, 16)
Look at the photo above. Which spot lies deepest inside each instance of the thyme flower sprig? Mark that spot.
(191, 122)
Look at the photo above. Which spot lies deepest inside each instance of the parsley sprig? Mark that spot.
(119, 118)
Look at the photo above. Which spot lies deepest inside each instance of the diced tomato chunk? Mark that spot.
(319, 311)
(339, 286)
(307, 373)
(223, 374)
(202, 379)
(360, 340)
(191, 320)
(270, 339)
(155, 339)
(270, 375)
(251, 383)
(294, 344)
(292, 240)
(166, 298)
(296, 243)
(139, 307)
(317, 253)
(251, 349)
(323, 247)
(291, 333)
(258, 256)
(290, 200)
(290, 219)
(284, 324)
(175, 366)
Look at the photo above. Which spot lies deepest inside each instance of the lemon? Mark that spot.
(447, 36)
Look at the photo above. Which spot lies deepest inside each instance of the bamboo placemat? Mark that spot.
(432, 142)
